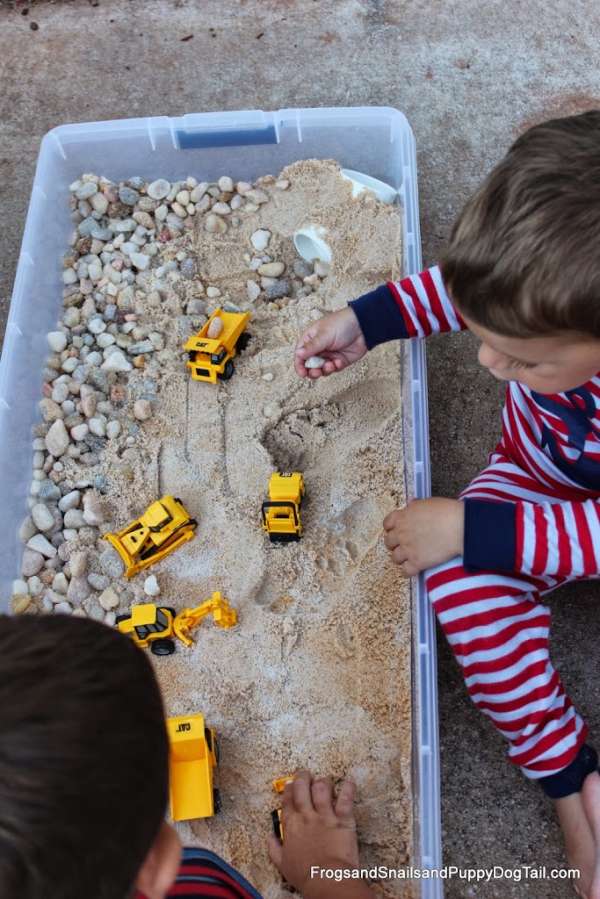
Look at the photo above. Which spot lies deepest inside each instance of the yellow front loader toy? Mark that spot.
(279, 786)
(164, 526)
(193, 758)
(210, 358)
(155, 627)
(281, 512)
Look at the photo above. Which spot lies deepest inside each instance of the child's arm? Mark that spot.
(559, 539)
(416, 306)
(319, 833)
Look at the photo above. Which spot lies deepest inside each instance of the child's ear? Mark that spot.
(159, 870)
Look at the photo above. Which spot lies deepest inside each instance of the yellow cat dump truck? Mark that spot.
(281, 512)
(164, 526)
(211, 358)
(156, 627)
(193, 758)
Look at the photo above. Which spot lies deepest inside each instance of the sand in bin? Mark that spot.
(317, 673)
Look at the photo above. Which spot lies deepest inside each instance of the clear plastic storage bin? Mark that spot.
(245, 144)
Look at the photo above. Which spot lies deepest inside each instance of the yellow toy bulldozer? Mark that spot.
(281, 512)
(155, 627)
(194, 756)
(211, 358)
(164, 526)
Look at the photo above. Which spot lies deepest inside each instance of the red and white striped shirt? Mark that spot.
(553, 438)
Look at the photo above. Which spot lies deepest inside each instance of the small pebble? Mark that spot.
(268, 376)
(271, 269)
(111, 563)
(32, 562)
(142, 410)
(63, 608)
(159, 189)
(213, 292)
(116, 362)
(260, 239)
(39, 544)
(69, 500)
(74, 519)
(128, 196)
(109, 599)
(19, 587)
(226, 184)
(78, 590)
(93, 513)
(57, 341)
(79, 432)
(97, 427)
(60, 583)
(42, 517)
(215, 224)
(113, 429)
(215, 328)
(253, 290)
(20, 603)
(322, 268)
(78, 563)
(57, 439)
(98, 582)
(151, 587)
(314, 362)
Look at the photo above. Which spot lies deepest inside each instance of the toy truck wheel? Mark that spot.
(217, 801)
(164, 647)
(121, 618)
(227, 371)
(242, 342)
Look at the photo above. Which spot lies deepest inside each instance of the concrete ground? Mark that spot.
(469, 76)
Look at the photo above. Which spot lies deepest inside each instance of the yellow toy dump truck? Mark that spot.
(210, 358)
(281, 512)
(164, 526)
(155, 627)
(194, 755)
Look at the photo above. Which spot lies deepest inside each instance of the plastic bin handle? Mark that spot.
(192, 140)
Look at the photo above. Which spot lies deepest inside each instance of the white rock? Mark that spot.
(159, 189)
(79, 589)
(74, 519)
(151, 587)
(63, 608)
(35, 585)
(39, 544)
(116, 362)
(78, 563)
(32, 562)
(225, 183)
(282, 184)
(140, 260)
(42, 517)
(110, 619)
(27, 529)
(198, 192)
(260, 239)
(213, 292)
(109, 599)
(257, 196)
(93, 512)
(69, 500)
(96, 325)
(221, 209)
(142, 410)
(215, 327)
(97, 427)
(113, 429)
(78, 432)
(243, 187)
(69, 276)
(271, 269)
(99, 203)
(253, 290)
(60, 583)
(314, 362)
(57, 439)
(322, 268)
(268, 376)
(19, 587)
(57, 341)
(215, 224)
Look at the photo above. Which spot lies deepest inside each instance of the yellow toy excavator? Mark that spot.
(155, 627)
(164, 526)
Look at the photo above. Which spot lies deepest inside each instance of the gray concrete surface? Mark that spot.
(469, 76)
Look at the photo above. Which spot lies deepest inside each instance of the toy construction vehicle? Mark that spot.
(211, 358)
(164, 526)
(279, 786)
(194, 754)
(155, 627)
(281, 512)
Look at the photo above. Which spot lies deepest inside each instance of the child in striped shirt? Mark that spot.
(522, 272)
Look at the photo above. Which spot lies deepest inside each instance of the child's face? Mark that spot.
(544, 364)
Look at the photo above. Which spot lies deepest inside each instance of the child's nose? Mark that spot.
(489, 358)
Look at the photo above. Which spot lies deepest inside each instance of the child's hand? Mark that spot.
(336, 337)
(318, 831)
(425, 533)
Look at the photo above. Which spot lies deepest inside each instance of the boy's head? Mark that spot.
(83, 760)
(523, 262)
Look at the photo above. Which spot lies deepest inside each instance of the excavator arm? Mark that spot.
(223, 615)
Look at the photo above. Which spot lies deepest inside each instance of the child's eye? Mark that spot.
(517, 364)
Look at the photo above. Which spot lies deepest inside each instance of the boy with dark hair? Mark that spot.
(522, 271)
(84, 781)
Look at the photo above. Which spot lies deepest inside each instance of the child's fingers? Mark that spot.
(344, 804)
(391, 539)
(301, 791)
(322, 795)
(391, 519)
(275, 850)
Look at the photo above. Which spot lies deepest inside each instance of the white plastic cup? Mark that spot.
(360, 182)
(310, 244)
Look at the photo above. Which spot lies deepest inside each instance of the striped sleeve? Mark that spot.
(553, 539)
(205, 874)
(416, 306)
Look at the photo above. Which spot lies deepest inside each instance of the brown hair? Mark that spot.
(524, 255)
(83, 759)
